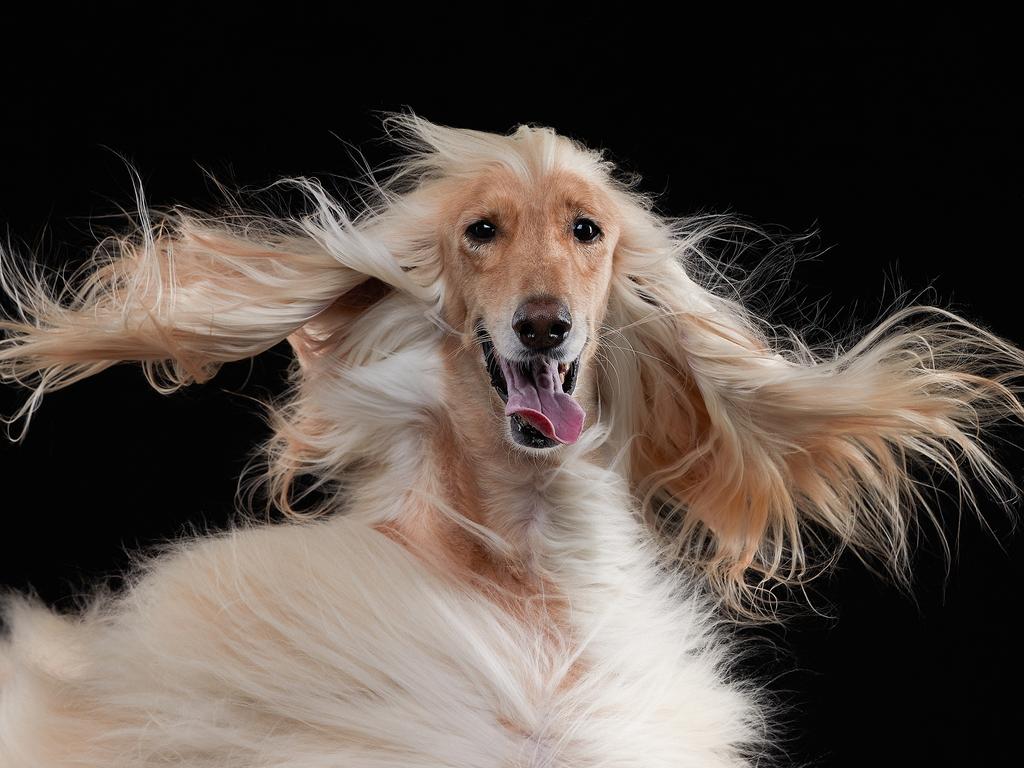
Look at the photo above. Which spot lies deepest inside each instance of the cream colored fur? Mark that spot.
(461, 602)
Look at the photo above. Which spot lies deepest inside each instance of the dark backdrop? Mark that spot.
(896, 142)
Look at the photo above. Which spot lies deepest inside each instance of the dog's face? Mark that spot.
(528, 265)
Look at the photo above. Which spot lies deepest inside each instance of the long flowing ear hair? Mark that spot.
(185, 292)
(757, 458)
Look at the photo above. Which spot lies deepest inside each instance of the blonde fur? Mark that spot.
(476, 604)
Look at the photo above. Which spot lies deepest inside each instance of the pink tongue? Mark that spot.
(537, 396)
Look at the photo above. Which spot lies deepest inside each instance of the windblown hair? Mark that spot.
(750, 452)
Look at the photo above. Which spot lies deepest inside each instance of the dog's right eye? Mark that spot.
(481, 231)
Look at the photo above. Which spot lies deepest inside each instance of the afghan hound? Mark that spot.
(534, 454)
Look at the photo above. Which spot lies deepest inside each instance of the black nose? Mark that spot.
(542, 324)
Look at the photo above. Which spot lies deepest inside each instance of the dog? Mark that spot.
(534, 458)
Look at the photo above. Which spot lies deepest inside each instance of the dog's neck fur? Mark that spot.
(469, 502)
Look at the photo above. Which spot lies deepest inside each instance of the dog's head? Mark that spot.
(528, 262)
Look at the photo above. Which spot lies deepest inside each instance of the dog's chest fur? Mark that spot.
(332, 644)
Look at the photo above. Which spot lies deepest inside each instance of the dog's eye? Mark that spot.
(585, 230)
(481, 230)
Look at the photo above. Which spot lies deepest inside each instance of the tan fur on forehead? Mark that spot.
(535, 252)
(500, 193)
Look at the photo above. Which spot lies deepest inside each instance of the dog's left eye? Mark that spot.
(585, 230)
(482, 230)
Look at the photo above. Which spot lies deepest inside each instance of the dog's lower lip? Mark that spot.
(531, 435)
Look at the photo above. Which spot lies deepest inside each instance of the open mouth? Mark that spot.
(538, 397)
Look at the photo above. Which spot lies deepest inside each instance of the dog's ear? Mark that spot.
(186, 293)
(326, 331)
(745, 448)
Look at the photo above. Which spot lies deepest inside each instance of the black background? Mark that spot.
(894, 140)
